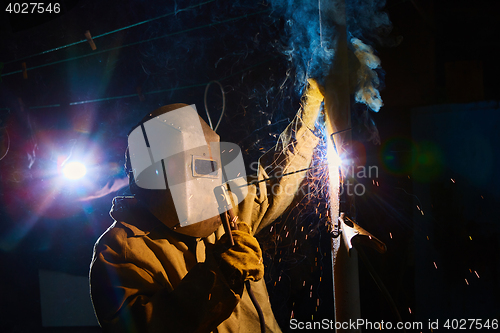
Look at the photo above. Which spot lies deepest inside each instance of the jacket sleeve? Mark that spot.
(128, 298)
(268, 199)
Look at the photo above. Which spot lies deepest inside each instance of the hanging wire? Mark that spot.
(140, 42)
(44, 106)
(112, 32)
(150, 92)
(223, 104)
(380, 284)
(320, 28)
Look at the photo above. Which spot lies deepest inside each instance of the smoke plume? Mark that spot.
(312, 30)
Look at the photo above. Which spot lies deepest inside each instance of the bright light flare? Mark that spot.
(74, 170)
(334, 160)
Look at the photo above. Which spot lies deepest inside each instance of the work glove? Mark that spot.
(240, 262)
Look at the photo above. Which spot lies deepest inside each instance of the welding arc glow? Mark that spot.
(74, 170)
(334, 160)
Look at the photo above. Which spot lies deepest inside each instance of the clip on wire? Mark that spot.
(25, 70)
(90, 40)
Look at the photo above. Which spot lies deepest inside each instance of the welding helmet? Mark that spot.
(177, 161)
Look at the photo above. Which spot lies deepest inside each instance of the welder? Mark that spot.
(166, 264)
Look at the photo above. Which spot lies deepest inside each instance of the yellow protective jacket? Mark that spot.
(146, 278)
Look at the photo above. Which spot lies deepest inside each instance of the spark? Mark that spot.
(453, 180)
(476, 274)
(466, 281)
(435, 265)
(390, 234)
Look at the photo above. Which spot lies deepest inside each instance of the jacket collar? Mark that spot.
(128, 212)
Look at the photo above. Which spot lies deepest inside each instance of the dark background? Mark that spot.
(440, 111)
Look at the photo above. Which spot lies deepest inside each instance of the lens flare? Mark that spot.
(74, 170)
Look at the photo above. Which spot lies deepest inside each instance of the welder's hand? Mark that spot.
(240, 262)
